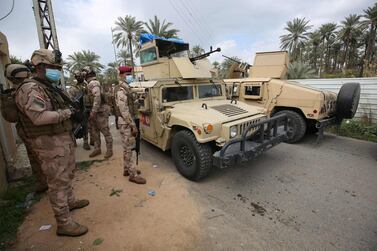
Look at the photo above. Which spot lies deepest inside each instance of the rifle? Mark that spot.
(79, 115)
(137, 141)
(204, 55)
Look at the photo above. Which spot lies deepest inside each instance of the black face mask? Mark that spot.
(80, 80)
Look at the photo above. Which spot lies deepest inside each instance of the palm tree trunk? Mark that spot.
(345, 64)
(132, 56)
(371, 39)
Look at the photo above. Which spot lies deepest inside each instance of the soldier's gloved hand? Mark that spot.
(64, 114)
(134, 131)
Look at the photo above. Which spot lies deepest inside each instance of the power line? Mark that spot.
(202, 25)
(181, 16)
(8, 12)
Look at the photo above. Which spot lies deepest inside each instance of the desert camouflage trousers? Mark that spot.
(127, 142)
(57, 157)
(33, 158)
(101, 125)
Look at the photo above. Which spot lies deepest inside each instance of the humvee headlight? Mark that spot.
(233, 131)
(208, 128)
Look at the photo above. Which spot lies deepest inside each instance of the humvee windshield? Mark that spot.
(170, 94)
(208, 91)
(148, 55)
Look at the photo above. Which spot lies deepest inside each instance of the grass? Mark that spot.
(13, 209)
(356, 129)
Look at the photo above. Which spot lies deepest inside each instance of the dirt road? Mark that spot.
(295, 197)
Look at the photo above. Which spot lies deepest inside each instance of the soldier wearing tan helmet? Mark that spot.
(17, 73)
(45, 120)
(99, 114)
(79, 86)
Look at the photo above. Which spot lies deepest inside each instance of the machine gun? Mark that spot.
(136, 148)
(246, 65)
(204, 55)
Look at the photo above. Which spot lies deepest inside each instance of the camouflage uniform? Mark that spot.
(73, 92)
(44, 118)
(101, 121)
(55, 152)
(16, 73)
(125, 121)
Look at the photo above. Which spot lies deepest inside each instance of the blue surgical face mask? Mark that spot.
(129, 79)
(53, 75)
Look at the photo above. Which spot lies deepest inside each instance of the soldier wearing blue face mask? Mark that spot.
(44, 118)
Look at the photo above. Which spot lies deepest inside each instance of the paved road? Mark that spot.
(294, 197)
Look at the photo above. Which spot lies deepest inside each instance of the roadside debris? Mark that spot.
(151, 192)
(155, 166)
(98, 241)
(116, 192)
(45, 227)
(258, 209)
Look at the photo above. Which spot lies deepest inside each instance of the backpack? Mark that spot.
(9, 109)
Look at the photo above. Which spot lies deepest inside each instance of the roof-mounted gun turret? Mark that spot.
(168, 58)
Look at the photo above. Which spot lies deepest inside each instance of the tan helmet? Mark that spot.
(49, 57)
(17, 71)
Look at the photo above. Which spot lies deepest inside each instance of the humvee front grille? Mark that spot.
(243, 126)
(229, 110)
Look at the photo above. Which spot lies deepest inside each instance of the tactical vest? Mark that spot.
(130, 101)
(33, 131)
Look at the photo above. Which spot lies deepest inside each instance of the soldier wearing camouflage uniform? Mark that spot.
(74, 90)
(99, 114)
(17, 73)
(45, 120)
(125, 108)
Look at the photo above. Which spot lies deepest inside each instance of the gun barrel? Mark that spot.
(204, 55)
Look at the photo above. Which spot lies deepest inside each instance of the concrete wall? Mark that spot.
(368, 99)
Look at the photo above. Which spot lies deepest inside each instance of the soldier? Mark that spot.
(125, 106)
(99, 114)
(45, 121)
(73, 92)
(17, 73)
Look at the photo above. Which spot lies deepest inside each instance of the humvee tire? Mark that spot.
(347, 101)
(192, 159)
(296, 126)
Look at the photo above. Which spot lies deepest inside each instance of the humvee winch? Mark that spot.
(308, 109)
(185, 110)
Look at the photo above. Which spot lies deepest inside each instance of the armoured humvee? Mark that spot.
(185, 110)
(308, 109)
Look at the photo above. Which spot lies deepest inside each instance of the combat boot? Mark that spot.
(91, 142)
(78, 204)
(95, 153)
(108, 154)
(86, 146)
(137, 180)
(72, 229)
(127, 173)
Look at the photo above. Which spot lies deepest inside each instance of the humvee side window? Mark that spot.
(208, 91)
(170, 94)
(148, 55)
(252, 90)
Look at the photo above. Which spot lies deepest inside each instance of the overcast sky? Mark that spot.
(239, 27)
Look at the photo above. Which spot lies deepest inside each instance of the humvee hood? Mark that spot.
(213, 111)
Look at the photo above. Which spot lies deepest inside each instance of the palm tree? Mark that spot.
(225, 66)
(111, 72)
(15, 60)
(314, 42)
(80, 59)
(124, 58)
(196, 50)
(296, 37)
(127, 31)
(348, 34)
(327, 32)
(298, 70)
(161, 29)
(371, 23)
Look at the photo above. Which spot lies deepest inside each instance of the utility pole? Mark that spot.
(112, 40)
(44, 18)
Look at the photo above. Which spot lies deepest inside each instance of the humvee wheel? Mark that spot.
(296, 126)
(347, 101)
(192, 159)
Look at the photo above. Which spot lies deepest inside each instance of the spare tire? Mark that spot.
(348, 101)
